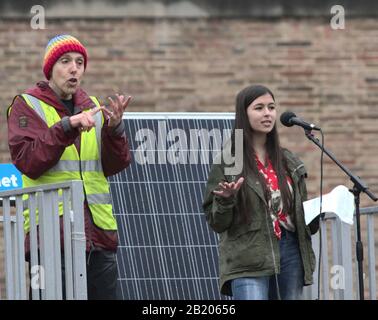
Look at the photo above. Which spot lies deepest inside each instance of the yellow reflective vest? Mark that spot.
(85, 166)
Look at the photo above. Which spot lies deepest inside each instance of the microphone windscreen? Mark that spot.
(285, 118)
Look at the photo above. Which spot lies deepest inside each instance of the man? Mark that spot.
(57, 133)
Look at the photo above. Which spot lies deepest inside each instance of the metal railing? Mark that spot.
(45, 246)
(338, 271)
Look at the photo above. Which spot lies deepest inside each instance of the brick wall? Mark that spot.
(326, 76)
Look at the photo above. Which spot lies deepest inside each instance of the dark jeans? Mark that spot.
(290, 279)
(102, 275)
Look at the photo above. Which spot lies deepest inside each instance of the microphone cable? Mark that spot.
(321, 214)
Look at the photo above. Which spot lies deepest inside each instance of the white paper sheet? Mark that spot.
(339, 201)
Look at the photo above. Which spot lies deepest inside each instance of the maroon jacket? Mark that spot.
(35, 148)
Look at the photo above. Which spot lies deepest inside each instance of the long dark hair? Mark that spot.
(244, 98)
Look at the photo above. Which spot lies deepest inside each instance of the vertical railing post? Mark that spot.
(311, 292)
(314, 288)
(67, 244)
(56, 245)
(371, 257)
(34, 259)
(324, 262)
(9, 267)
(78, 241)
(20, 251)
(346, 257)
(336, 260)
(46, 244)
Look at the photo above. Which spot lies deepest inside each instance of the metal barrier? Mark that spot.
(338, 272)
(45, 259)
(337, 282)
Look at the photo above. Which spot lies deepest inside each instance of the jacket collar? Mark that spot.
(44, 92)
(296, 169)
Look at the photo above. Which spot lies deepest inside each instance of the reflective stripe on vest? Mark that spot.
(74, 165)
(71, 166)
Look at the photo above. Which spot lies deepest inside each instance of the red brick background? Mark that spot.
(194, 56)
(325, 76)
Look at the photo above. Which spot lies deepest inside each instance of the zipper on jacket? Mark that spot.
(271, 245)
(272, 251)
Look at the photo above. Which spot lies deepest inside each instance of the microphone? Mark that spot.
(289, 119)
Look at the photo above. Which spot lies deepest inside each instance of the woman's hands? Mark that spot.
(228, 189)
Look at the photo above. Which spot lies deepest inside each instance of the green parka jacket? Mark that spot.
(252, 250)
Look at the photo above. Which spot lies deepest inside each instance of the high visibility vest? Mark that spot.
(71, 166)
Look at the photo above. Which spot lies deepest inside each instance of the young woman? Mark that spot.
(265, 247)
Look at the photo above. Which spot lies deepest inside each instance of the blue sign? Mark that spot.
(10, 177)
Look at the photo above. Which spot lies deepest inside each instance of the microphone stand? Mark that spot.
(358, 187)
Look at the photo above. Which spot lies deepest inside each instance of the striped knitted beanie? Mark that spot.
(58, 46)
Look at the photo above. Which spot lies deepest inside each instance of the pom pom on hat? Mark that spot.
(58, 46)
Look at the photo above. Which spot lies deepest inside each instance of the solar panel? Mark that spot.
(166, 249)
